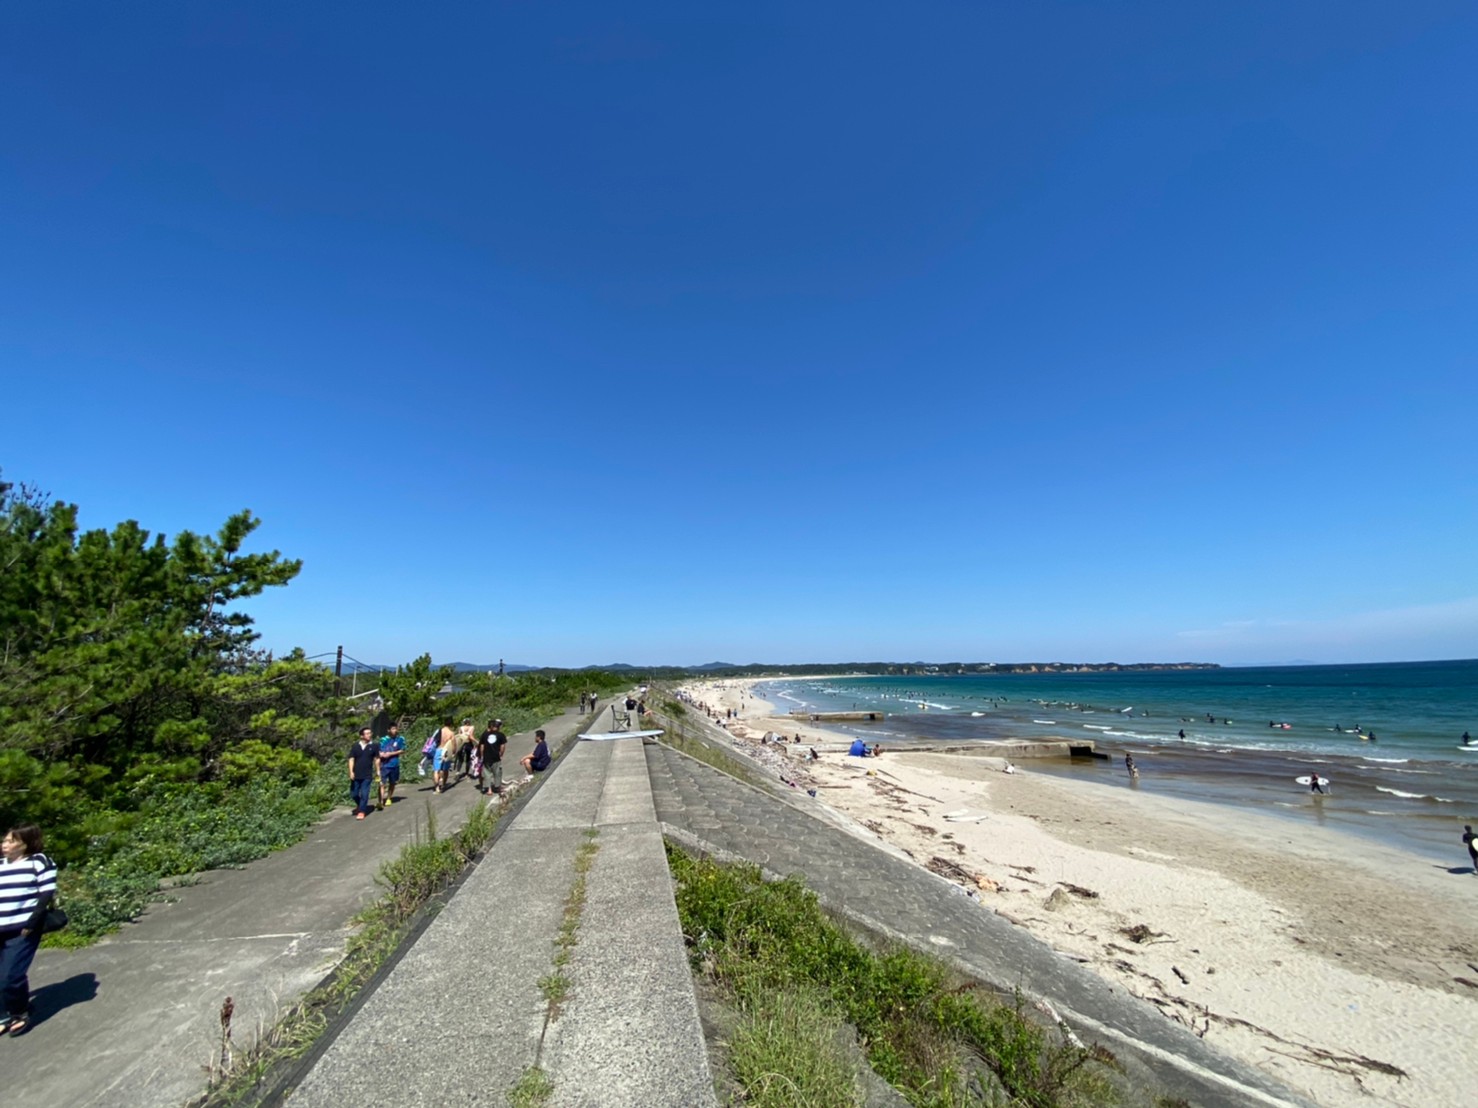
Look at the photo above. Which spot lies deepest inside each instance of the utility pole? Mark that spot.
(339, 672)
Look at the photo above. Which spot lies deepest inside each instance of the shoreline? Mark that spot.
(1329, 961)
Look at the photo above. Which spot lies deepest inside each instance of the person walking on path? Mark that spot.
(1470, 840)
(538, 761)
(27, 886)
(364, 760)
(493, 742)
(446, 753)
(466, 740)
(391, 747)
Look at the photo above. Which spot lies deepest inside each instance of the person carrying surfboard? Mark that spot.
(1314, 786)
(1470, 840)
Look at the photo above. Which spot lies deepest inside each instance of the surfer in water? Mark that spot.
(1130, 766)
(1314, 786)
(1467, 739)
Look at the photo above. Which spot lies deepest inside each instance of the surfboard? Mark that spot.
(1309, 781)
(1470, 749)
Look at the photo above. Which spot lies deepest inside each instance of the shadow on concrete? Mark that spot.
(1452, 869)
(48, 1000)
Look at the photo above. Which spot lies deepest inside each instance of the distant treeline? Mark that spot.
(888, 669)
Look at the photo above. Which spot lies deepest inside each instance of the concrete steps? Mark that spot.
(461, 1019)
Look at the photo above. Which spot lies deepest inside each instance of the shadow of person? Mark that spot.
(48, 1000)
(1452, 869)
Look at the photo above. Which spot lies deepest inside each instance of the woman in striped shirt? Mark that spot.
(27, 886)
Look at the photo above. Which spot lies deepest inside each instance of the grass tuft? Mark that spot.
(533, 1088)
(786, 1053)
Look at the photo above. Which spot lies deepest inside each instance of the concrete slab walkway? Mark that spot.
(135, 1019)
(463, 1018)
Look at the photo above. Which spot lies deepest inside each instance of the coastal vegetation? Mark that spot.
(144, 730)
(800, 982)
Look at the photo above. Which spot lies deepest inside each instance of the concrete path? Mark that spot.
(135, 1019)
(462, 1017)
(712, 812)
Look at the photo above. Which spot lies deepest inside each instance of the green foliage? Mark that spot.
(127, 668)
(942, 1042)
(254, 759)
(410, 691)
(183, 829)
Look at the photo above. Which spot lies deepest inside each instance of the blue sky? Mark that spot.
(665, 333)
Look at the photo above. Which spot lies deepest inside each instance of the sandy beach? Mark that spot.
(1348, 970)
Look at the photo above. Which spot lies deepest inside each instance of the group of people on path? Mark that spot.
(449, 750)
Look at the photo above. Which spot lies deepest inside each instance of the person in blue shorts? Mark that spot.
(391, 747)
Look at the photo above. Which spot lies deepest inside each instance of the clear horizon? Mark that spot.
(993, 332)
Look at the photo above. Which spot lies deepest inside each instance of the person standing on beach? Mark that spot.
(1130, 766)
(364, 760)
(1470, 840)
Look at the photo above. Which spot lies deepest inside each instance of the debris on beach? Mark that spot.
(1140, 933)
(953, 871)
(1078, 890)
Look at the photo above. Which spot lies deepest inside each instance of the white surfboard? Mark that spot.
(1309, 781)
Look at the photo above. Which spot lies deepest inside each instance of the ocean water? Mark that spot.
(1388, 736)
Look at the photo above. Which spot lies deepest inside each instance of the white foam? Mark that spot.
(1393, 761)
(1412, 796)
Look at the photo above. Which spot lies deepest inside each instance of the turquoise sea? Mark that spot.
(1388, 736)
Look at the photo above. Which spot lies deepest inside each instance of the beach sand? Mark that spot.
(1347, 969)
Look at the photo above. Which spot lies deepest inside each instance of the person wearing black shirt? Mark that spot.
(364, 760)
(493, 741)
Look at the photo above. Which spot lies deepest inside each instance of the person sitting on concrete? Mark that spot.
(538, 761)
